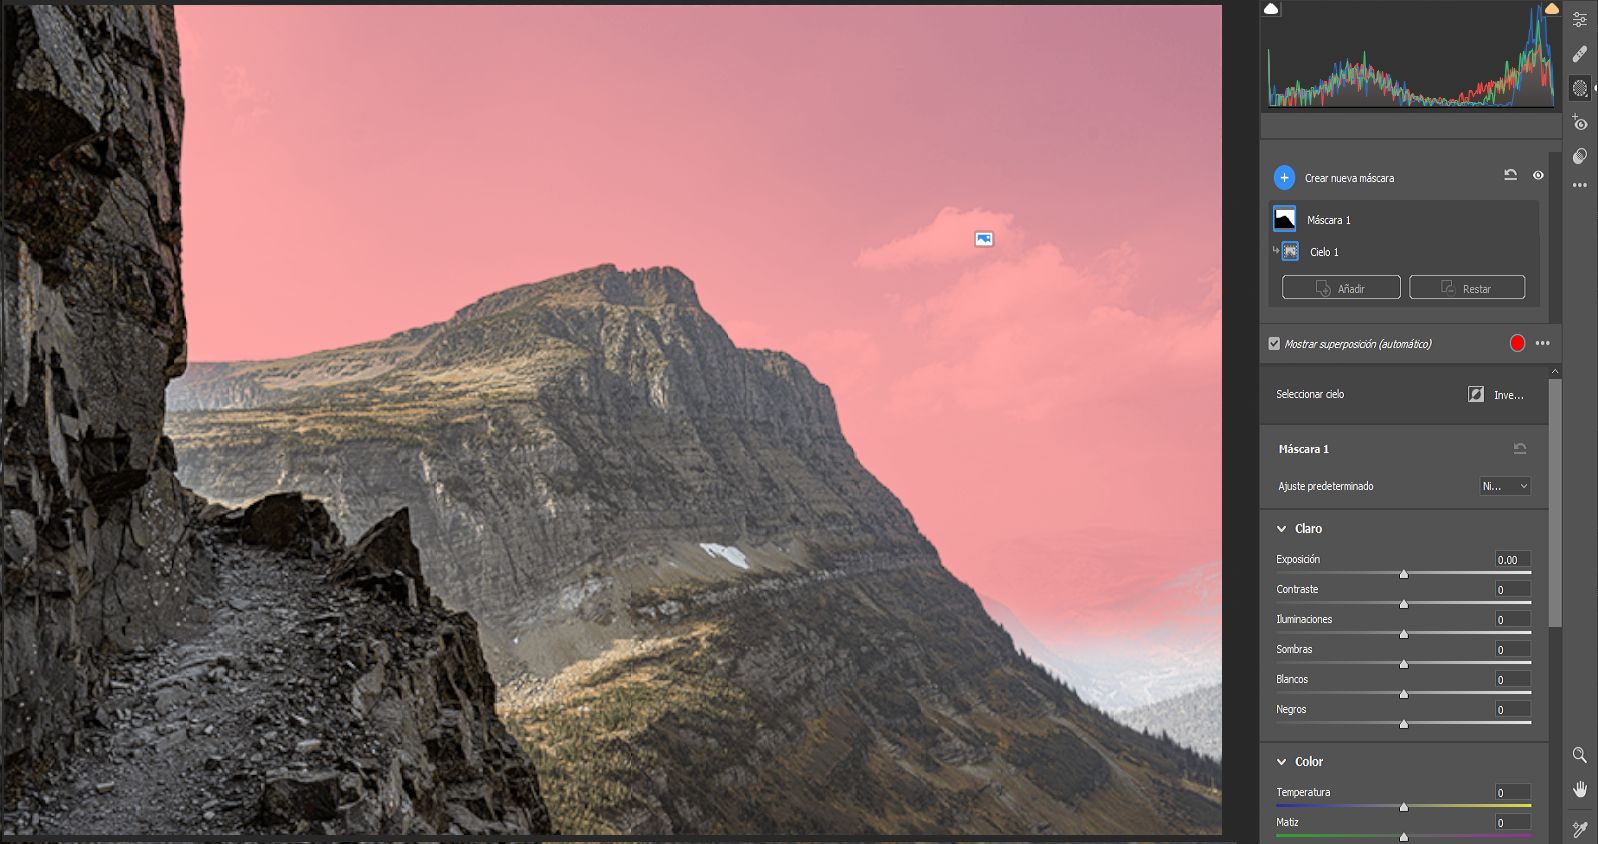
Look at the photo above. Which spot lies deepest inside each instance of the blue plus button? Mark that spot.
(1285, 177)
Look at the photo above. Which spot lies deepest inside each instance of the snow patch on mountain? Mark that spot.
(730, 553)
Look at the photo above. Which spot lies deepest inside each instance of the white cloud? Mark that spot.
(949, 237)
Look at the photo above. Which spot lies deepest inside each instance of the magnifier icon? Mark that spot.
(1578, 754)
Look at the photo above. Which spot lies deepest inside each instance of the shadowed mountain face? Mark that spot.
(706, 614)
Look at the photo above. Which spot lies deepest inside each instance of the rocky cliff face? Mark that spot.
(708, 616)
(170, 666)
(98, 554)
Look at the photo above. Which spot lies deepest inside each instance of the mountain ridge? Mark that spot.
(600, 284)
(520, 362)
(695, 595)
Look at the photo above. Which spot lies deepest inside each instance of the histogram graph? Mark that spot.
(1495, 55)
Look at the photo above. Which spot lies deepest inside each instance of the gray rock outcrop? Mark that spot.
(288, 521)
(385, 560)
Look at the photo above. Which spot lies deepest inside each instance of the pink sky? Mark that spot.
(1049, 409)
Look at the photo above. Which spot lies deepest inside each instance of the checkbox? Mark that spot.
(1274, 344)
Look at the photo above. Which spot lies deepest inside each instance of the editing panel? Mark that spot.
(1428, 310)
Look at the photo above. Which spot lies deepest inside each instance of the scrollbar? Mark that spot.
(1556, 527)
